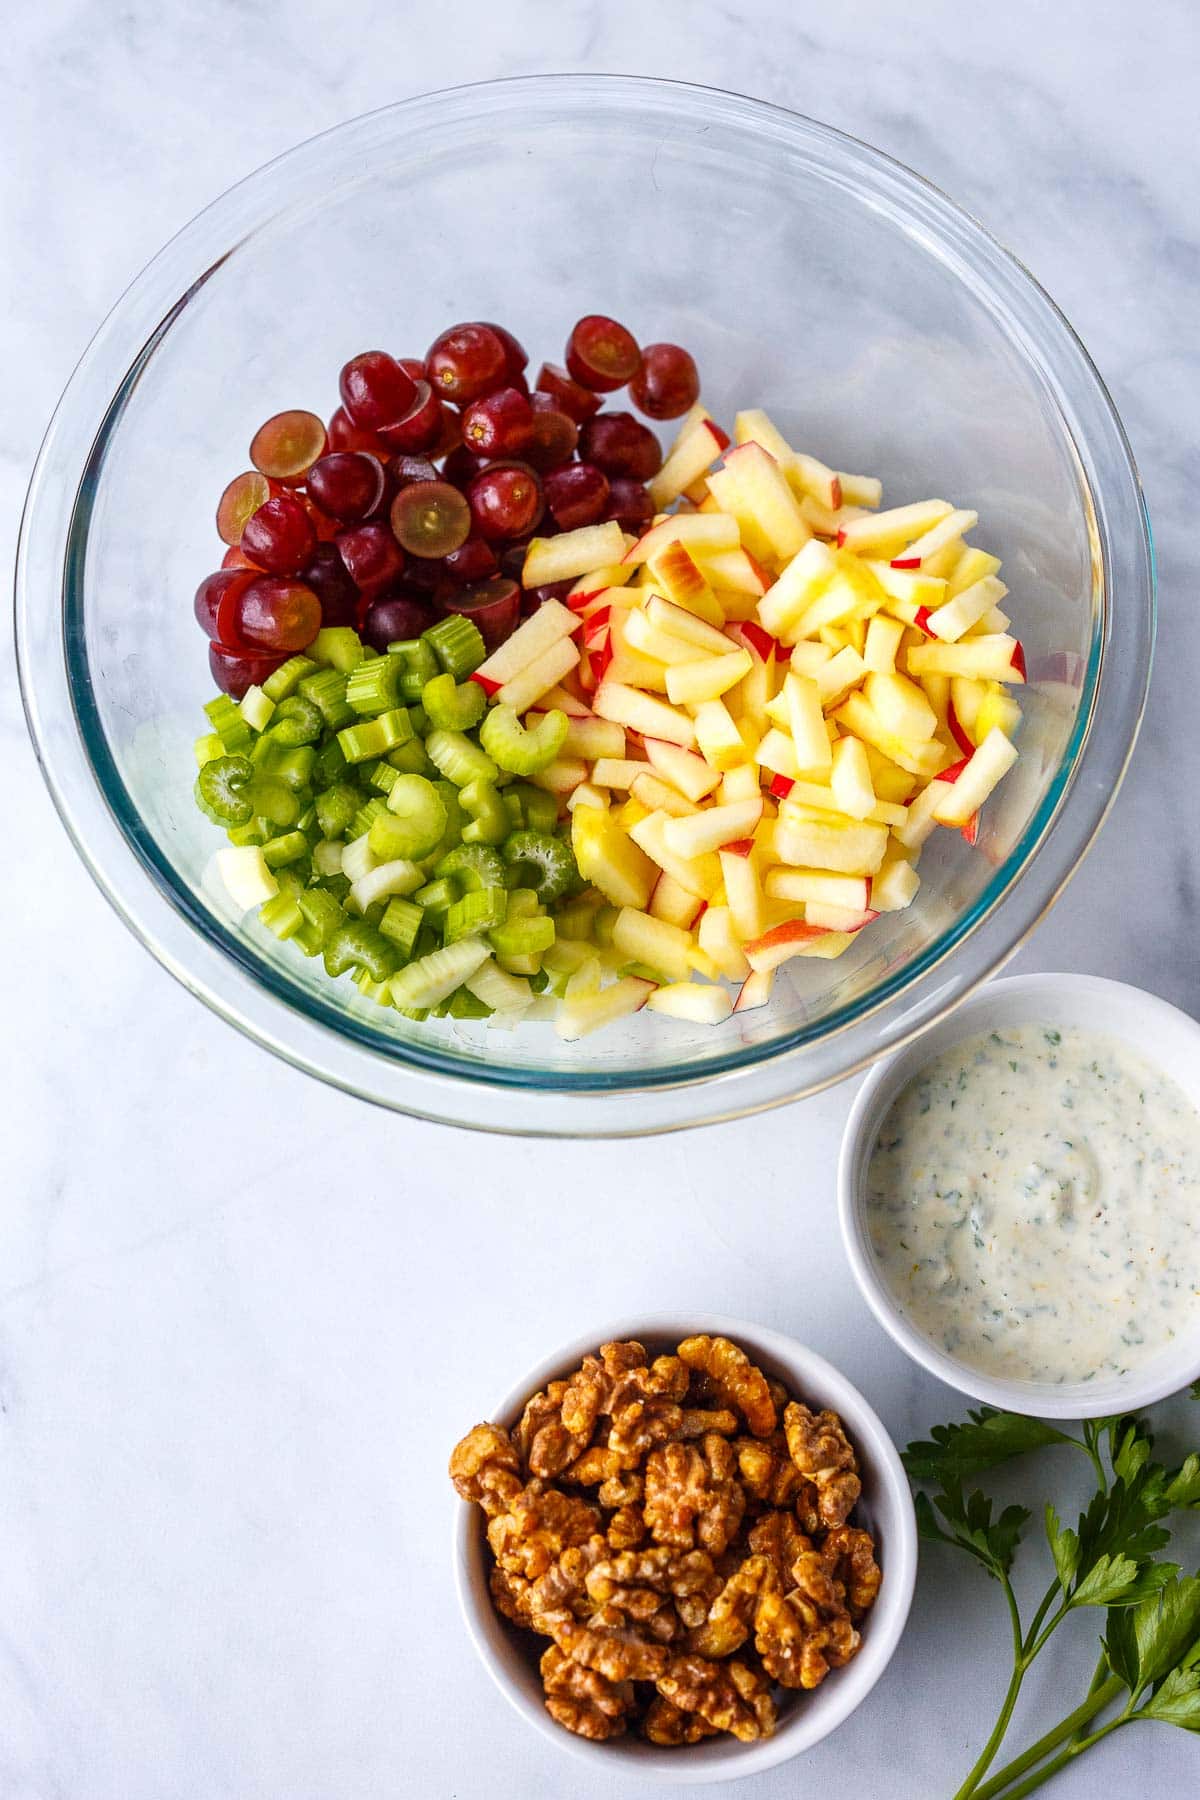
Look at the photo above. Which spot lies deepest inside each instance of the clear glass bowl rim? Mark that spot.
(104, 823)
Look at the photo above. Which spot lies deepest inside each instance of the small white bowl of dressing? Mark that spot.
(1019, 1192)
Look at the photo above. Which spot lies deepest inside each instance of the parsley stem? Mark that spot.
(988, 1754)
(1098, 1698)
(1064, 1757)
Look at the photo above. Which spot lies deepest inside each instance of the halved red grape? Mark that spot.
(465, 362)
(450, 432)
(601, 354)
(372, 556)
(629, 504)
(344, 434)
(579, 403)
(473, 561)
(516, 357)
(234, 671)
(404, 469)
(553, 590)
(495, 606)
(375, 390)
(288, 445)
(215, 604)
(430, 518)
(505, 501)
(412, 365)
(555, 434)
(348, 484)
(667, 383)
(421, 426)
(620, 445)
(460, 467)
(235, 558)
(576, 494)
(330, 581)
(280, 535)
(279, 615)
(243, 497)
(499, 424)
(395, 617)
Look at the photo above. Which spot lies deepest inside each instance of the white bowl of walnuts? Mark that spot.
(686, 1546)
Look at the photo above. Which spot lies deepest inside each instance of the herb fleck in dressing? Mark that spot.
(1033, 1200)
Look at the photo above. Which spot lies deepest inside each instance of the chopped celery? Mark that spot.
(273, 800)
(322, 912)
(374, 687)
(523, 750)
(248, 881)
(514, 809)
(254, 831)
(379, 991)
(462, 1004)
(410, 759)
(296, 721)
(287, 677)
(551, 857)
(370, 810)
(602, 925)
(359, 946)
(419, 813)
(476, 866)
(437, 897)
(219, 790)
(481, 910)
(327, 691)
(327, 856)
(336, 807)
(289, 848)
(400, 924)
(294, 767)
(375, 737)
(382, 776)
(522, 937)
(379, 884)
(358, 859)
(418, 664)
(281, 914)
(331, 764)
(453, 706)
(226, 719)
(256, 708)
(339, 646)
(458, 759)
(523, 903)
(208, 748)
(489, 822)
(458, 645)
(498, 990)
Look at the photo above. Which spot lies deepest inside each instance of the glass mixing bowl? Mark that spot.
(882, 328)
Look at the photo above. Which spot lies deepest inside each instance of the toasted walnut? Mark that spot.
(731, 1615)
(850, 1554)
(820, 1449)
(728, 1695)
(626, 1488)
(485, 1470)
(540, 1524)
(767, 1470)
(734, 1378)
(665, 1571)
(779, 1538)
(597, 1465)
(544, 1439)
(637, 1427)
(692, 1495)
(666, 1723)
(563, 1586)
(583, 1700)
(804, 1633)
(627, 1528)
(611, 1648)
(510, 1595)
(698, 1421)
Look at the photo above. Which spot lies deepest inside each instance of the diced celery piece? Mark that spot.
(256, 708)
(338, 646)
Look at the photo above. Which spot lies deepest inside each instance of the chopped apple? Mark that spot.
(586, 794)
(572, 554)
(920, 821)
(857, 717)
(821, 840)
(988, 658)
(806, 723)
(720, 943)
(806, 576)
(700, 532)
(850, 779)
(809, 657)
(690, 683)
(608, 858)
(692, 1001)
(550, 624)
(741, 783)
(980, 774)
(885, 533)
(721, 743)
(734, 571)
(895, 886)
(839, 676)
(560, 699)
(901, 706)
(682, 768)
(752, 486)
(642, 712)
(883, 641)
(675, 903)
(777, 753)
(997, 708)
(616, 772)
(846, 919)
(957, 616)
(641, 938)
(531, 682)
(755, 991)
(850, 892)
(684, 625)
(562, 775)
(657, 795)
(743, 891)
(681, 581)
(860, 490)
(591, 738)
(939, 537)
(579, 1016)
(693, 453)
(810, 793)
(700, 875)
(781, 943)
(709, 829)
(970, 566)
(642, 634)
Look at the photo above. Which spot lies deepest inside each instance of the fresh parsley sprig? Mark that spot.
(1149, 1664)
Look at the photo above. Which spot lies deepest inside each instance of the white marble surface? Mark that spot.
(229, 1376)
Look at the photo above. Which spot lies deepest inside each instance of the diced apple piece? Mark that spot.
(885, 533)
(907, 590)
(838, 918)
(690, 1000)
(689, 683)
(642, 712)
(674, 571)
(919, 824)
(986, 658)
(530, 683)
(967, 696)
(639, 632)
(719, 941)
(674, 903)
(901, 706)
(680, 623)
(883, 641)
(809, 658)
(657, 795)
(850, 892)
(721, 744)
(956, 617)
(586, 794)
(562, 775)
(701, 532)
(682, 768)
(734, 571)
(562, 700)
(851, 779)
(938, 538)
(826, 841)
(592, 738)
(777, 753)
(990, 763)
(741, 783)
(610, 860)
(860, 490)
(577, 1017)
(247, 879)
(752, 486)
(839, 676)
(997, 709)
(616, 772)
(895, 886)
(700, 875)
(806, 722)
(690, 457)
(627, 667)
(970, 566)
(572, 554)
(755, 990)
(709, 829)
(860, 720)
(743, 892)
(550, 624)
(782, 608)
(641, 938)
(810, 793)
(781, 943)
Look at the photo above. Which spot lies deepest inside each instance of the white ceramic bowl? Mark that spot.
(886, 1509)
(1148, 1025)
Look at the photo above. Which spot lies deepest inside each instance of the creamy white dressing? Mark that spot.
(1033, 1200)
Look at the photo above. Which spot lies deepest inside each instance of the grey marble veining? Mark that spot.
(241, 1316)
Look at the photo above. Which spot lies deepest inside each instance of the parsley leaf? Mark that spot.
(1146, 1642)
(1177, 1701)
(968, 1522)
(955, 1452)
